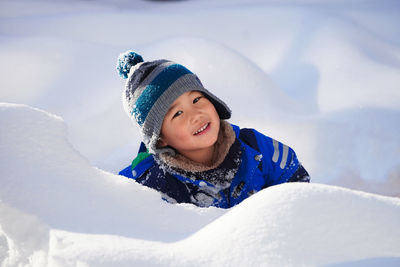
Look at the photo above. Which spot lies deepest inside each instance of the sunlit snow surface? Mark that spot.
(320, 76)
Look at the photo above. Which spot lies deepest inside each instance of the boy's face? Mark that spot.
(191, 125)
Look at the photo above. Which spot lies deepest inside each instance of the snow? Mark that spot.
(277, 237)
(319, 76)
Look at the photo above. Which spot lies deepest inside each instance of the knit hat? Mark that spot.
(150, 90)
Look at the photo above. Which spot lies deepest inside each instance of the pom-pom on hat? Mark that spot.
(150, 90)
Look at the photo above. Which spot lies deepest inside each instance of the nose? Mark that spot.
(195, 116)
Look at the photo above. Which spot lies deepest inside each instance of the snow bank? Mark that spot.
(58, 210)
(24, 240)
(42, 174)
(287, 225)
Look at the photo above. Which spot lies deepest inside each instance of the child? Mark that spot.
(189, 152)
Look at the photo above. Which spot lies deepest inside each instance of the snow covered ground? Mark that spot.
(320, 76)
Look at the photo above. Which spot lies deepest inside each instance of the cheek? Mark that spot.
(176, 134)
(179, 135)
(214, 115)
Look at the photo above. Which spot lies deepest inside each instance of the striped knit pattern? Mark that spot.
(156, 88)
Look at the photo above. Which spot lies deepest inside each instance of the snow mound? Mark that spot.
(58, 210)
(42, 174)
(354, 148)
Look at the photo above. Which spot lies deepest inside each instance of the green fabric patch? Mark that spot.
(139, 158)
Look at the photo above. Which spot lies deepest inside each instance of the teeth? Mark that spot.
(201, 129)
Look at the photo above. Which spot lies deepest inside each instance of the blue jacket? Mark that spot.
(264, 162)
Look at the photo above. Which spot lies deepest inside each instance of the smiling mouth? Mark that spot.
(202, 129)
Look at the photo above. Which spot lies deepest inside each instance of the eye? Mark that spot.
(177, 114)
(196, 99)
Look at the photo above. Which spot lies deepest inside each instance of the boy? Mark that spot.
(189, 152)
